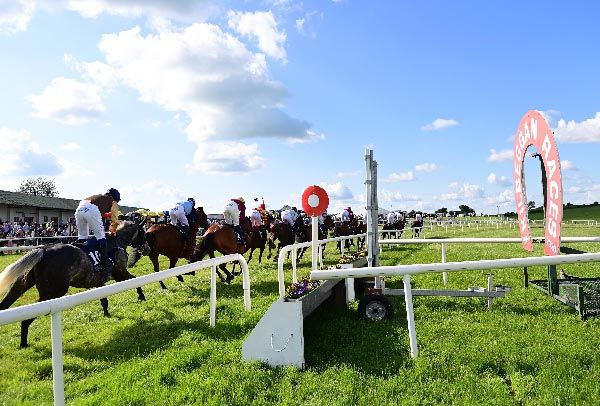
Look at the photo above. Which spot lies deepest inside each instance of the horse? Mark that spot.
(397, 225)
(221, 238)
(416, 227)
(283, 233)
(305, 234)
(257, 239)
(165, 239)
(343, 229)
(55, 267)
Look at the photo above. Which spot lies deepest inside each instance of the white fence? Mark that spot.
(55, 307)
(444, 241)
(293, 248)
(407, 270)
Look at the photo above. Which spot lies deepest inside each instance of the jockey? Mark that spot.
(322, 222)
(181, 212)
(89, 216)
(345, 216)
(290, 217)
(241, 204)
(350, 214)
(257, 221)
(391, 218)
(262, 209)
(232, 215)
(419, 217)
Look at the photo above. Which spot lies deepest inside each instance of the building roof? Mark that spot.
(44, 202)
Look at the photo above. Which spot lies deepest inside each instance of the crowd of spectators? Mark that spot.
(23, 229)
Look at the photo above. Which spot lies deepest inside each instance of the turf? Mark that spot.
(526, 349)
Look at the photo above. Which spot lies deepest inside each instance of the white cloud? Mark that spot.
(400, 177)
(567, 165)
(438, 124)
(210, 75)
(300, 25)
(154, 194)
(498, 180)
(97, 72)
(337, 191)
(71, 146)
(579, 132)
(177, 9)
(227, 157)
(22, 156)
(15, 15)
(262, 26)
(466, 192)
(426, 167)
(506, 198)
(116, 151)
(500, 156)
(387, 196)
(348, 174)
(68, 101)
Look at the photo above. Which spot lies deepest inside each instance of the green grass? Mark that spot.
(573, 213)
(526, 349)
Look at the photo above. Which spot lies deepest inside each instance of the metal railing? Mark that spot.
(444, 241)
(407, 270)
(54, 307)
(293, 248)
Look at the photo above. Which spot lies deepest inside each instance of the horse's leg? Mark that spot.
(104, 304)
(47, 292)
(122, 274)
(260, 252)
(154, 258)
(250, 256)
(172, 263)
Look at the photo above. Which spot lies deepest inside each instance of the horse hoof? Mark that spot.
(142, 298)
(24, 345)
(229, 279)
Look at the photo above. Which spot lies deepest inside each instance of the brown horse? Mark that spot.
(343, 229)
(221, 238)
(165, 239)
(283, 233)
(305, 234)
(257, 239)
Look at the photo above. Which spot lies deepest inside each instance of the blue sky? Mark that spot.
(169, 99)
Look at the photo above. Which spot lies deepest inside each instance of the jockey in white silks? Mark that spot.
(289, 216)
(256, 218)
(231, 213)
(345, 216)
(391, 217)
(419, 217)
(180, 212)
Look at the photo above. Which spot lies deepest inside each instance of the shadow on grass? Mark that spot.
(338, 337)
(144, 337)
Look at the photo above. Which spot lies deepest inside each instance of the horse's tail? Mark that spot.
(19, 269)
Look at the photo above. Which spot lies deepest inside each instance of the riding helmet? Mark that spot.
(241, 199)
(114, 193)
(191, 200)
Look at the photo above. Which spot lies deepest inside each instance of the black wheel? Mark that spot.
(375, 307)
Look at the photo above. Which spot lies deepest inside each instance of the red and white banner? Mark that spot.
(534, 130)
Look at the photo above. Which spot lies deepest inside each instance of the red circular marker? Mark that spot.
(314, 200)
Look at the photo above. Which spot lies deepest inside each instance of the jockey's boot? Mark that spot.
(239, 234)
(184, 231)
(103, 253)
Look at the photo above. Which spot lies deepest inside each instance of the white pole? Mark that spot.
(294, 259)
(58, 379)
(213, 295)
(445, 274)
(410, 317)
(315, 242)
(349, 290)
(245, 286)
(490, 285)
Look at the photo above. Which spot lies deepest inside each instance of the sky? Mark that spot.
(169, 99)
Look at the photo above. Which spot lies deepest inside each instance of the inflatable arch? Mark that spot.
(534, 130)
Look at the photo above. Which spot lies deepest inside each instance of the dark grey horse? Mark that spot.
(55, 267)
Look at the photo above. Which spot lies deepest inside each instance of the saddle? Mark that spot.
(91, 249)
(239, 234)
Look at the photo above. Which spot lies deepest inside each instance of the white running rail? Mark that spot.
(55, 307)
